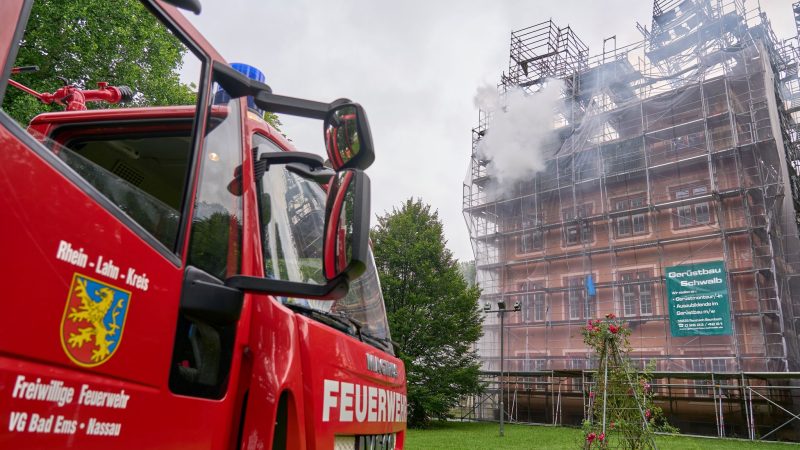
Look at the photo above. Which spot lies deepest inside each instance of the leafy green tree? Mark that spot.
(87, 41)
(432, 311)
(273, 119)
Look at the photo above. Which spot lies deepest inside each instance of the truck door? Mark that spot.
(117, 225)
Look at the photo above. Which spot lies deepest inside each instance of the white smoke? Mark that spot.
(487, 98)
(519, 136)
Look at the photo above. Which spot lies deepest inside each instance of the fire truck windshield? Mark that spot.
(292, 224)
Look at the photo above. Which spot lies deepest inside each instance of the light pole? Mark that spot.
(501, 311)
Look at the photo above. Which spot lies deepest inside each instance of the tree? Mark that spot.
(87, 41)
(273, 119)
(433, 313)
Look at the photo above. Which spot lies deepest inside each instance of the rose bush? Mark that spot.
(622, 413)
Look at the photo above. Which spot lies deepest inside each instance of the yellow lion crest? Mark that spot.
(94, 317)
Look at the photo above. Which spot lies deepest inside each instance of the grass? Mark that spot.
(482, 435)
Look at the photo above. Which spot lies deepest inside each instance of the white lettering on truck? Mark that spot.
(89, 397)
(69, 255)
(370, 403)
(53, 391)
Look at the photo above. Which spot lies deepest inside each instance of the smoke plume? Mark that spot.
(519, 137)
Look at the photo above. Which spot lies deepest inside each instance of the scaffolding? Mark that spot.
(754, 406)
(679, 149)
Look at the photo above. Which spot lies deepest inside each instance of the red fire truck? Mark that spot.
(179, 276)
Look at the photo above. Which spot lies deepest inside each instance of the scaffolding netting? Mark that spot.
(675, 151)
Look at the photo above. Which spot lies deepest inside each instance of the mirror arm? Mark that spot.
(332, 290)
(275, 158)
(282, 104)
(321, 175)
(236, 84)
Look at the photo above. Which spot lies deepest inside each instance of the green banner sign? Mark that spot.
(698, 299)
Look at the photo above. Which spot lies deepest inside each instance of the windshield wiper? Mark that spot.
(338, 321)
(375, 341)
(343, 323)
(380, 342)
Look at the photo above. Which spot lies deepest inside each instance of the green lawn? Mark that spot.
(470, 435)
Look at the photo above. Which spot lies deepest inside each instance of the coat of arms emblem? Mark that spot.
(94, 318)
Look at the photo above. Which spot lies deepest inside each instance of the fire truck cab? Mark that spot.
(175, 273)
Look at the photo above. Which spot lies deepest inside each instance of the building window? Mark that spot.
(628, 300)
(533, 365)
(637, 293)
(691, 141)
(701, 386)
(645, 299)
(631, 223)
(692, 214)
(530, 240)
(538, 306)
(720, 366)
(579, 304)
(716, 365)
(533, 305)
(577, 229)
(575, 300)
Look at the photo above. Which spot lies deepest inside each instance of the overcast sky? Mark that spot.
(415, 66)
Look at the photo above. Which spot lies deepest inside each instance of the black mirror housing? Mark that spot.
(348, 138)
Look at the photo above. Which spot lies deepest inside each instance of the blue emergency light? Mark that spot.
(221, 97)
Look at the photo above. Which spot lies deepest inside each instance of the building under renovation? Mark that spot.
(670, 197)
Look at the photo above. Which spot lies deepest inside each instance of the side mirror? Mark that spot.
(348, 139)
(346, 240)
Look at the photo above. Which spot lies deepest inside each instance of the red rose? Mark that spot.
(610, 316)
(613, 329)
(647, 414)
(590, 437)
(602, 437)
